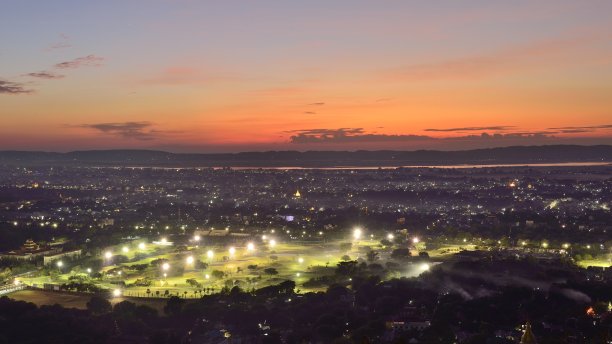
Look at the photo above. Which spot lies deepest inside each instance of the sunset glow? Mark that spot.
(204, 76)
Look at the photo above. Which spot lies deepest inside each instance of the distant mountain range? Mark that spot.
(504, 155)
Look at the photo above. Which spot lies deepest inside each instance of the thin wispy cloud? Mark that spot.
(512, 60)
(45, 75)
(142, 131)
(496, 127)
(582, 129)
(317, 104)
(86, 61)
(10, 87)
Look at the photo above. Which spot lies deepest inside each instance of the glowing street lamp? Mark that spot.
(250, 247)
(566, 246)
(545, 245)
(300, 260)
(164, 241)
(142, 246)
(357, 233)
(108, 254)
(60, 264)
(415, 240)
(425, 266)
(197, 238)
(210, 254)
(272, 243)
(390, 237)
(125, 249)
(189, 260)
(88, 270)
(117, 293)
(232, 251)
(165, 266)
(207, 276)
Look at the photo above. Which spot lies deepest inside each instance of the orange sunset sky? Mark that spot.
(225, 76)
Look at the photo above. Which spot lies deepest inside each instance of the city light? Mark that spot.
(210, 254)
(125, 249)
(60, 264)
(207, 276)
(88, 270)
(250, 247)
(116, 292)
(232, 251)
(197, 238)
(357, 233)
(566, 246)
(390, 236)
(272, 243)
(425, 267)
(164, 241)
(108, 255)
(300, 260)
(142, 246)
(545, 245)
(165, 266)
(189, 260)
(415, 240)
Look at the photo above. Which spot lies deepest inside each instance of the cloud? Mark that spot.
(344, 135)
(45, 75)
(317, 104)
(497, 127)
(310, 113)
(358, 135)
(64, 43)
(9, 87)
(131, 130)
(582, 129)
(89, 60)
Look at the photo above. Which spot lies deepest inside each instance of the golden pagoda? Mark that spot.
(528, 337)
(30, 246)
(297, 194)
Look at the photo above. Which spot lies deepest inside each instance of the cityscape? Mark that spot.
(306, 172)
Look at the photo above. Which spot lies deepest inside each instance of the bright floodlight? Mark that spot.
(415, 240)
(207, 276)
(164, 241)
(197, 238)
(108, 255)
(142, 246)
(545, 244)
(125, 249)
(264, 237)
(232, 251)
(390, 236)
(165, 266)
(60, 264)
(357, 233)
(189, 260)
(250, 247)
(300, 260)
(272, 243)
(210, 254)
(117, 292)
(16, 282)
(566, 245)
(425, 267)
(88, 270)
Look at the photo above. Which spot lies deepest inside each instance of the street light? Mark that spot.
(142, 246)
(196, 238)
(189, 260)
(88, 270)
(232, 251)
(165, 266)
(272, 243)
(415, 240)
(108, 255)
(250, 247)
(390, 237)
(300, 260)
(210, 254)
(60, 264)
(125, 249)
(117, 292)
(357, 233)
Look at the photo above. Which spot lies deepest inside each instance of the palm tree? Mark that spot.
(148, 292)
(157, 293)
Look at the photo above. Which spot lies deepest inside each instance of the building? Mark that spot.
(30, 250)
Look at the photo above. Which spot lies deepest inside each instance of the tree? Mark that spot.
(271, 271)
(217, 274)
(98, 305)
(372, 256)
(346, 257)
(400, 253)
(174, 305)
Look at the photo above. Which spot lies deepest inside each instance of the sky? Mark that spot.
(228, 76)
